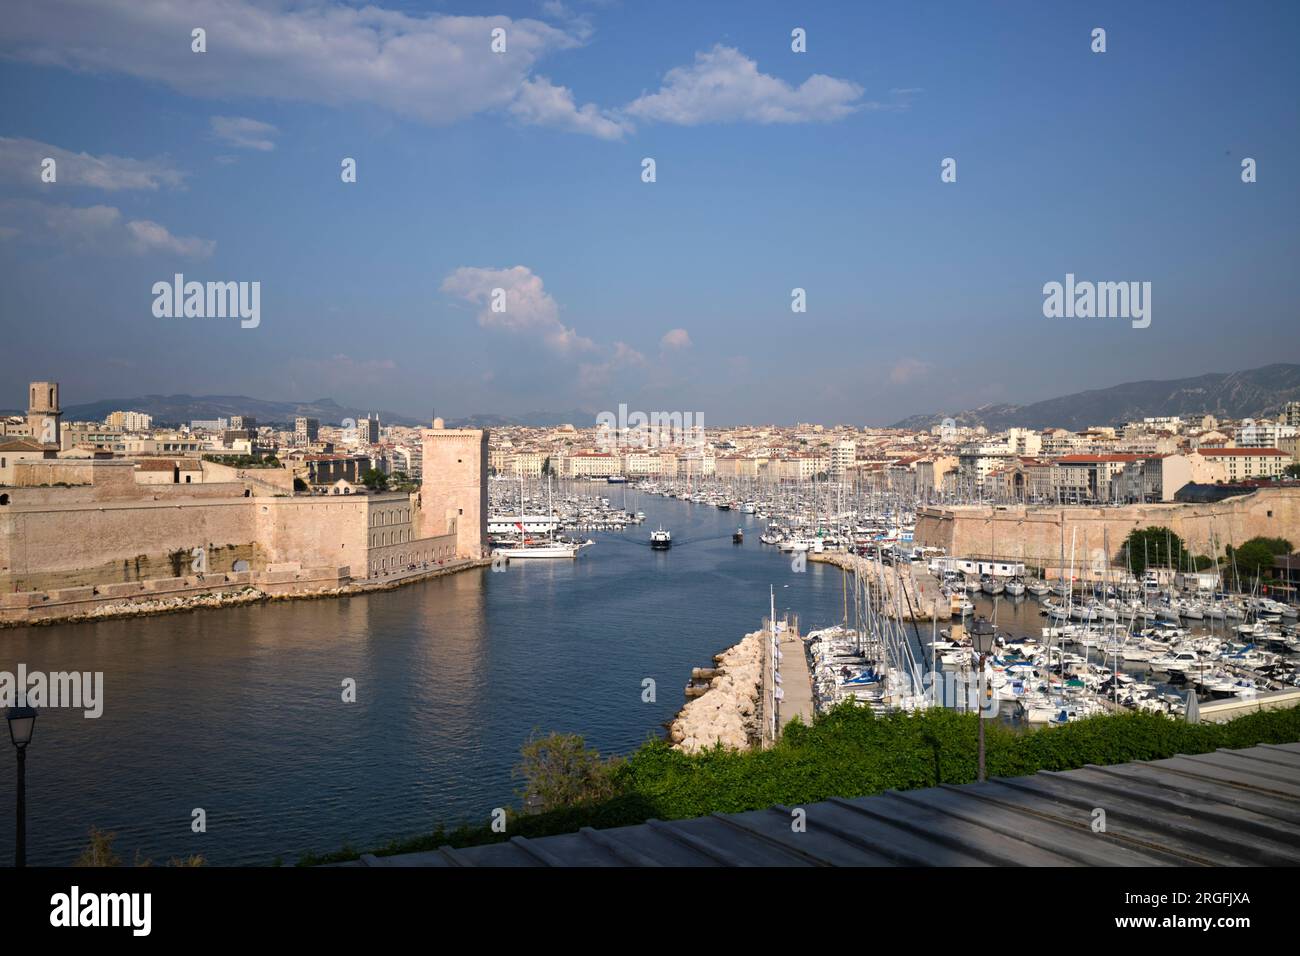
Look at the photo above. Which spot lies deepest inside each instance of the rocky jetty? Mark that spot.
(726, 713)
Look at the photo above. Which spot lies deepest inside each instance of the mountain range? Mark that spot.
(1255, 393)
(183, 409)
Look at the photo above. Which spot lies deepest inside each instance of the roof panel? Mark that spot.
(1230, 807)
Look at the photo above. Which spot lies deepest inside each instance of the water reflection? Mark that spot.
(239, 711)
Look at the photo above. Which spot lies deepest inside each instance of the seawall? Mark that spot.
(172, 595)
(1033, 533)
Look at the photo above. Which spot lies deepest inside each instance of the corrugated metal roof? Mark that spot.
(1230, 807)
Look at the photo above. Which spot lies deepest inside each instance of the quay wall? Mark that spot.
(1218, 711)
(29, 607)
(1033, 533)
(195, 592)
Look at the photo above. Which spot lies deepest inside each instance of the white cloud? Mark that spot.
(20, 163)
(433, 68)
(675, 339)
(542, 103)
(529, 308)
(95, 228)
(724, 85)
(244, 132)
(596, 375)
(578, 23)
(151, 237)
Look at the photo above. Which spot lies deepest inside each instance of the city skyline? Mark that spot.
(775, 171)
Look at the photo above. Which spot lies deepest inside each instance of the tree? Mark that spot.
(560, 771)
(99, 852)
(1254, 559)
(1154, 547)
(375, 480)
(1292, 470)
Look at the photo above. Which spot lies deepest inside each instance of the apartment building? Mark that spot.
(1242, 463)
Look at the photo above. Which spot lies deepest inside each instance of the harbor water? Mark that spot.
(239, 712)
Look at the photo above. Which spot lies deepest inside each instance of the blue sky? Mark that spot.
(522, 171)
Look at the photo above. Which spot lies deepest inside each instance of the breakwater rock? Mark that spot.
(726, 713)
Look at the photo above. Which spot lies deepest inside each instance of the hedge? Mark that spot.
(851, 752)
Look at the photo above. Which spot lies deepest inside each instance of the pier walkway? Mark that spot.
(922, 596)
(1226, 808)
(796, 682)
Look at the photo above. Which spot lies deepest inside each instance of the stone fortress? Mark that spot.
(1036, 534)
(95, 520)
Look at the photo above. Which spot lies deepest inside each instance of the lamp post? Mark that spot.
(22, 721)
(981, 636)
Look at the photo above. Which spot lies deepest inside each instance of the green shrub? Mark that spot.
(847, 752)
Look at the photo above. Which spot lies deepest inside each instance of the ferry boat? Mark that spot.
(661, 540)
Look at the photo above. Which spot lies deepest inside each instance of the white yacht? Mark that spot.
(527, 550)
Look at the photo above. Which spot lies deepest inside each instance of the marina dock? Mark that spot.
(796, 697)
(921, 597)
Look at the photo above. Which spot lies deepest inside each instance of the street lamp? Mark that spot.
(981, 635)
(22, 721)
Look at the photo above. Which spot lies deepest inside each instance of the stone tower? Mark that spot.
(453, 489)
(44, 417)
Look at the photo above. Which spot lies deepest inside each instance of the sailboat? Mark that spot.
(528, 548)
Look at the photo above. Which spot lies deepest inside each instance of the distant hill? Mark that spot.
(183, 409)
(1257, 393)
(576, 417)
